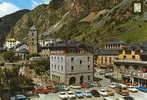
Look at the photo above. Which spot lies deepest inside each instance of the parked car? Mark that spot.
(110, 92)
(122, 91)
(63, 95)
(129, 98)
(95, 93)
(79, 94)
(108, 98)
(19, 97)
(103, 92)
(75, 87)
(112, 85)
(102, 73)
(71, 95)
(132, 89)
(87, 94)
(92, 84)
(63, 88)
(120, 98)
(84, 85)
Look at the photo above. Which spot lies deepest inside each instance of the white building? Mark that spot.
(71, 62)
(11, 42)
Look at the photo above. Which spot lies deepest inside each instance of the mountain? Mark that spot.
(7, 22)
(91, 21)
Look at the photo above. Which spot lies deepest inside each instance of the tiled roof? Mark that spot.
(69, 43)
(23, 50)
(107, 52)
(133, 47)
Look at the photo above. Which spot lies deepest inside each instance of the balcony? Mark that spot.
(135, 74)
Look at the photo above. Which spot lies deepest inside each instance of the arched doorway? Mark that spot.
(72, 80)
(81, 79)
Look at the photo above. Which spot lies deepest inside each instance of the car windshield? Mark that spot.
(70, 93)
(62, 93)
(78, 92)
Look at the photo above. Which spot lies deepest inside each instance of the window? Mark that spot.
(105, 59)
(88, 58)
(88, 77)
(61, 59)
(72, 68)
(58, 67)
(102, 60)
(80, 61)
(133, 57)
(61, 67)
(124, 57)
(55, 66)
(88, 66)
(72, 59)
(110, 59)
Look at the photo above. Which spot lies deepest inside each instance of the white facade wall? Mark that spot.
(11, 44)
(61, 66)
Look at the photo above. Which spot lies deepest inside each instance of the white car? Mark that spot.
(103, 93)
(113, 85)
(132, 89)
(87, 94)
(71, 95)
(120, 98)
(63, 95)
(108, 98)
(75, 87)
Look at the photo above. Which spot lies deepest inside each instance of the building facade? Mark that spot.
(131, 52)
(71, 62)
(131, 71)
(11, 43)
(104, 57)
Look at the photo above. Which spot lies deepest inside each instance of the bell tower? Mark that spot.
(33, 40)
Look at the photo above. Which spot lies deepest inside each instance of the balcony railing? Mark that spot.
(135, 74)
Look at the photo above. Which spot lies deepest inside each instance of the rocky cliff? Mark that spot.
(7, 22)
(92, 21)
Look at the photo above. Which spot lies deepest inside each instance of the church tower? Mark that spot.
(33, 40)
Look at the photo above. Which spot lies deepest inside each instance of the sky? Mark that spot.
(10, 6)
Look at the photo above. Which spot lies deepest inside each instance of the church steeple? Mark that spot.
(33, 40)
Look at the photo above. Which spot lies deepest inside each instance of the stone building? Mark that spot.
(33, 40)
(131, 71)
(104, 57)
(71, 62)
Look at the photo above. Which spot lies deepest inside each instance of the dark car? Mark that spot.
(129, 98)
(95, 93)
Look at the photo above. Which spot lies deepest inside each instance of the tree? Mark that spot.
(10, 56)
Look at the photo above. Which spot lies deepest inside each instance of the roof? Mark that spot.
(23, 50)
(144, 53)
(113, 43)
(133, 47)
(107, 52)
(131, 62)
(2, 49)
(69, 43)
(33, 28)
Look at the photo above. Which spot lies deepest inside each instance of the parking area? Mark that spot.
(104, 85)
